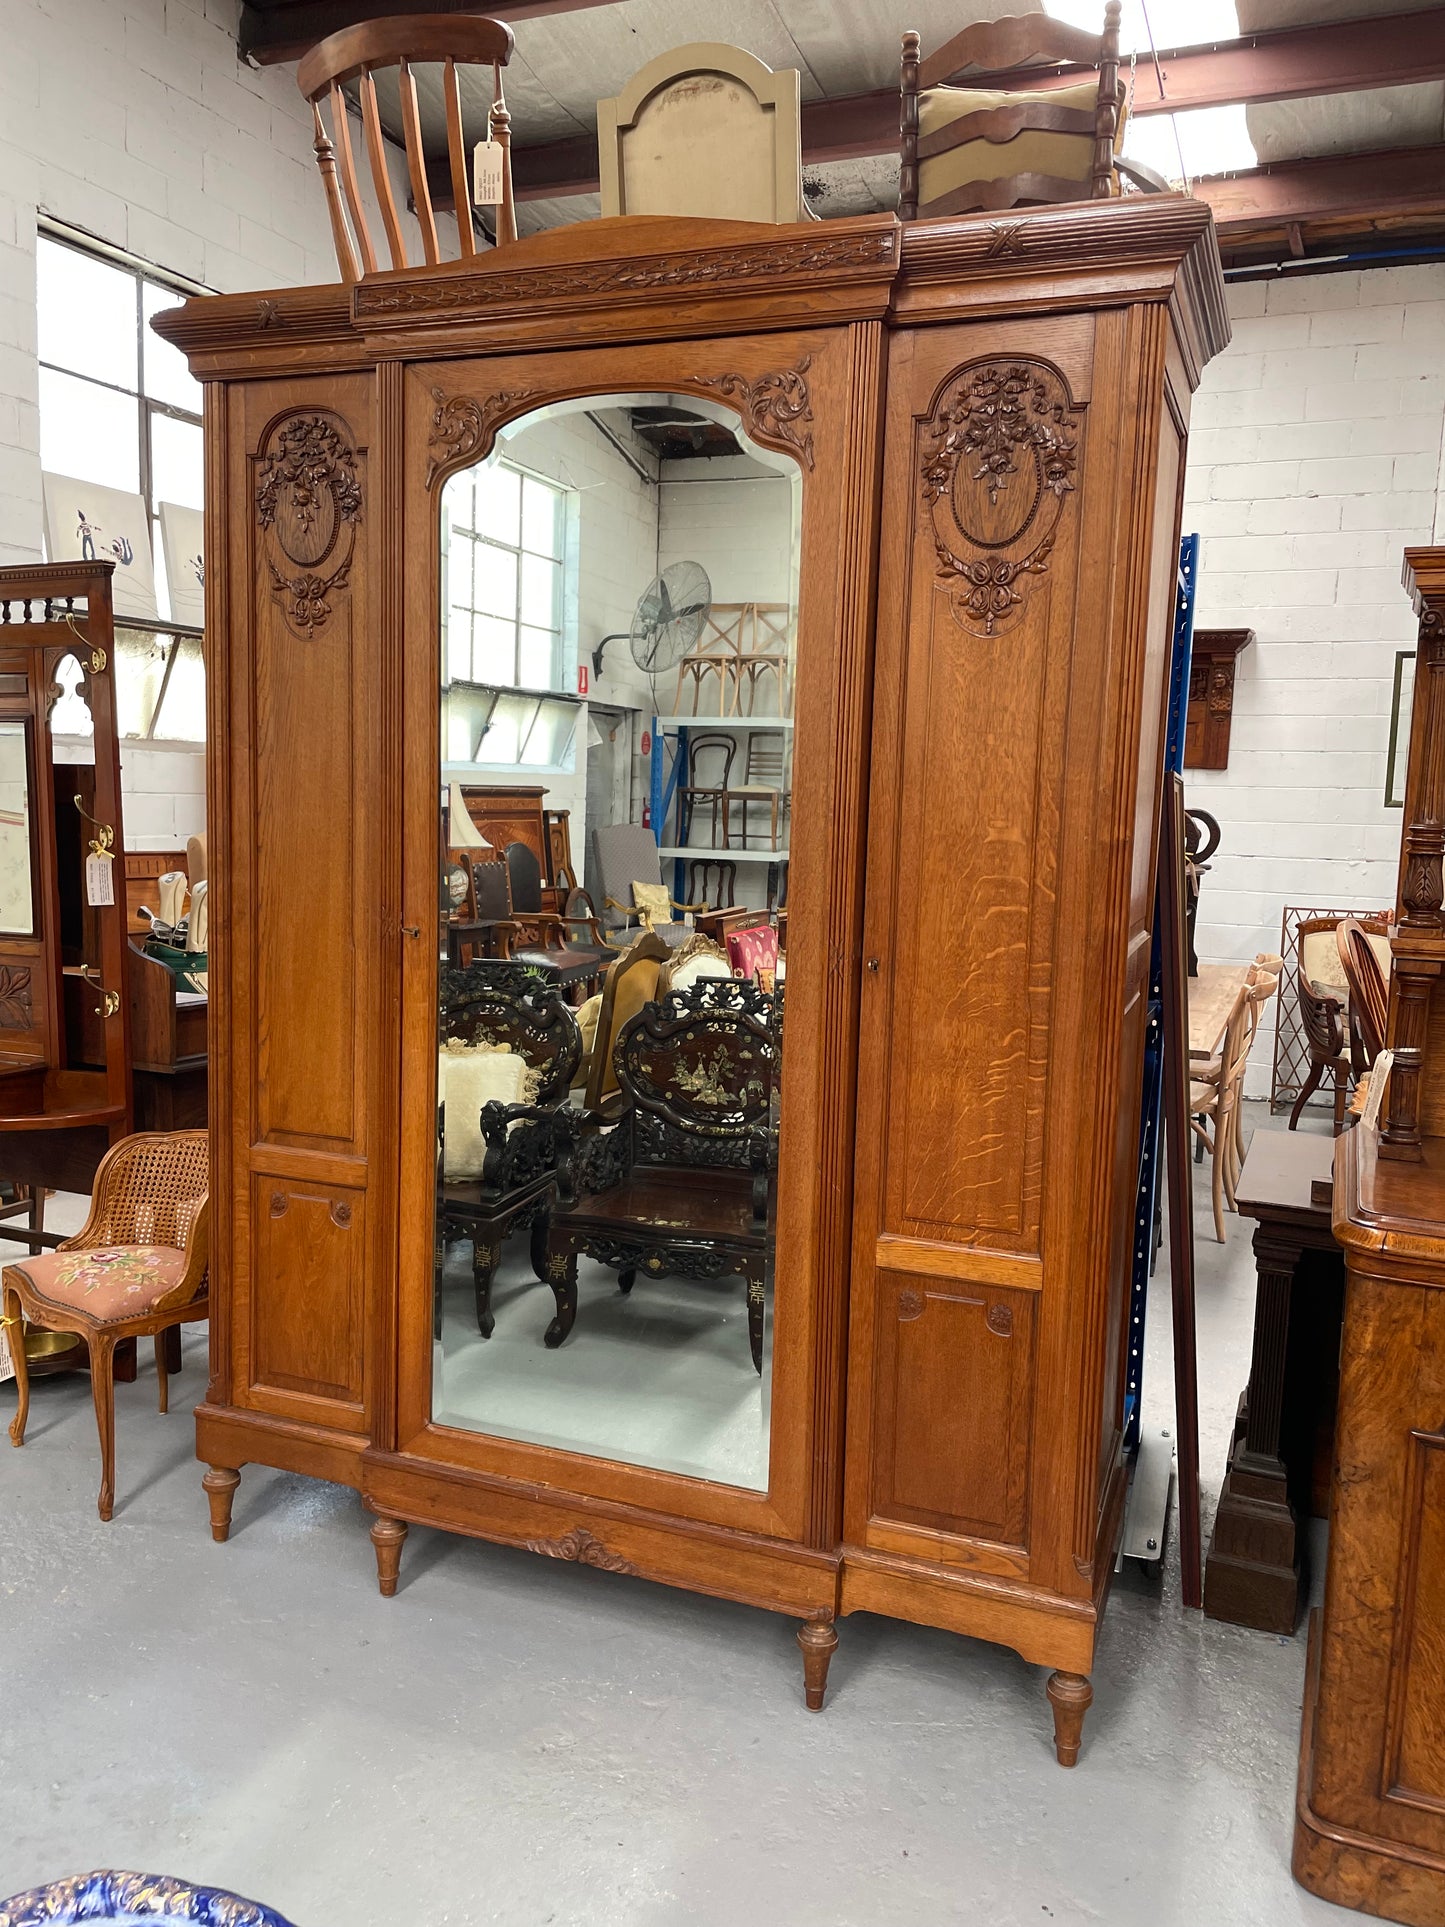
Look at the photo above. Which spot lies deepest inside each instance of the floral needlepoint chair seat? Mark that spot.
(137, 1267)
(135, 1899)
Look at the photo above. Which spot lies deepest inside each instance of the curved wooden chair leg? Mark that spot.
(163, 1384)
(1307, 1091)
(102, 1390)
(1216, 1181)
(15, 1330)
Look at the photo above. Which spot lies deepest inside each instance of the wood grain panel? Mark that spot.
(1417, 1685)
(307, 1310)
(995, 455)
(309, 780)
(955, 1408)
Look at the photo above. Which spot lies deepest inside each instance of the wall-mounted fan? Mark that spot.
(668, 619)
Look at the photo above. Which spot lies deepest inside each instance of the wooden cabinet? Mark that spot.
(1370, 1825)
(985, 422)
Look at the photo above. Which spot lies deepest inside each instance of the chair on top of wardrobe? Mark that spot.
(357, 54)
(1335, 1046)
(136, 1268)
(970, 148)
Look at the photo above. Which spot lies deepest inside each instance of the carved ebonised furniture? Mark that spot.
(683, 1187)
(507, 1005)
(981, 424)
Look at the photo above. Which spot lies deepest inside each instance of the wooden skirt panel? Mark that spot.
(231, 1438)
(728, 1564)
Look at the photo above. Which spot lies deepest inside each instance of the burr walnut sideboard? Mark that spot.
(984, 422)
(1370, 1817)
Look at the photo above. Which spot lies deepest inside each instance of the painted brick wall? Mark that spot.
(1315, 458)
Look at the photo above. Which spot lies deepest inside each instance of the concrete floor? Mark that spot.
(516, 1740)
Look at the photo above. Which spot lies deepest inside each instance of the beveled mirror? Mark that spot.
(619, 619)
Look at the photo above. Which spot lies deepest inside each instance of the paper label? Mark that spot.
(1379, 1078)
(487, 174)
(99, 881)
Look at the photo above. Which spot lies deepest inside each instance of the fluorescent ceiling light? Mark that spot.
(1210, 140)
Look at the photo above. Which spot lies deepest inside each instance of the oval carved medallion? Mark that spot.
(999, 456)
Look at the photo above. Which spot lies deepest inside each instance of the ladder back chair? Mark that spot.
(970, 148)
(356, 54)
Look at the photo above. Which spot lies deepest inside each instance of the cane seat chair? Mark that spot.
(136, 1268)
(969, 148)
(358, 54)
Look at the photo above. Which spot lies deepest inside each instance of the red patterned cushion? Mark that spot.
(753, 949)
(108, 1282)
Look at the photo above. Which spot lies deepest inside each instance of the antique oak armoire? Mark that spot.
(987, 417)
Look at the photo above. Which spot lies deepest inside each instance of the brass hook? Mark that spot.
(99, 845)
(97, 654)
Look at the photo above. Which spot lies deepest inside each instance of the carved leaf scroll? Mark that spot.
(462, 425)
(308, 502)
(999, 456)
(16, 1011)
(776, 408)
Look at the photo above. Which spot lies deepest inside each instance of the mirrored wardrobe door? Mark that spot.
(619, 607)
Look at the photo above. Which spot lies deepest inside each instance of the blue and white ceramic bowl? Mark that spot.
(133, 1900)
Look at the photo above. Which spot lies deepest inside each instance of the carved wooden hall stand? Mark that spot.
(989, 416)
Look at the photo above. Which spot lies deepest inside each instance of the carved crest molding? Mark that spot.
(486, 292)
(308, 503)
(776, 408)
(463, 425)
(999, 456)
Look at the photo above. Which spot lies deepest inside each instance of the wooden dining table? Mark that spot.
(1211, 998)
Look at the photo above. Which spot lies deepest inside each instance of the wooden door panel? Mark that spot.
(955, 1372)
(991, 450)
(307, 1298)
(1416, 1772)
(313, 803)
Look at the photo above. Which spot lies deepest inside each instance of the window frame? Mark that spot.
(143, 275)
(563, 563)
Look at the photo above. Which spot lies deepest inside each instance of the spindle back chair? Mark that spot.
(356, 53)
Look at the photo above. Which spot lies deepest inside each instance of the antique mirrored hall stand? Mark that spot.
(984, 423)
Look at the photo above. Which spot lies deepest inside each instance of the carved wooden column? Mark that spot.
(1419, 938)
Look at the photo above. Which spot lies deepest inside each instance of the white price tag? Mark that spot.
(487, 172)
(99, 881)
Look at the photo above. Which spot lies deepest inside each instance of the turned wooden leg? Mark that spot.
(562, 1277)
(102, 1390)
(163, 1388)
(220, 1484)
(819, 1641)
(1071, 1696)
(486, 1255)
(388, 1536)
(15, 1335)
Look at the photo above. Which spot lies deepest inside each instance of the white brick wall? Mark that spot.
(134, 120)
(1316, 456)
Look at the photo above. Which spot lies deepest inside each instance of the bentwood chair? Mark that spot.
(1365, 959)
(136, 1268)
(358, 54)
(1215, 1103)
(966, 148)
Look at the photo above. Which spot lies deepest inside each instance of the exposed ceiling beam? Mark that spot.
(274, 33)
(1396, 185)
(1296, 63)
